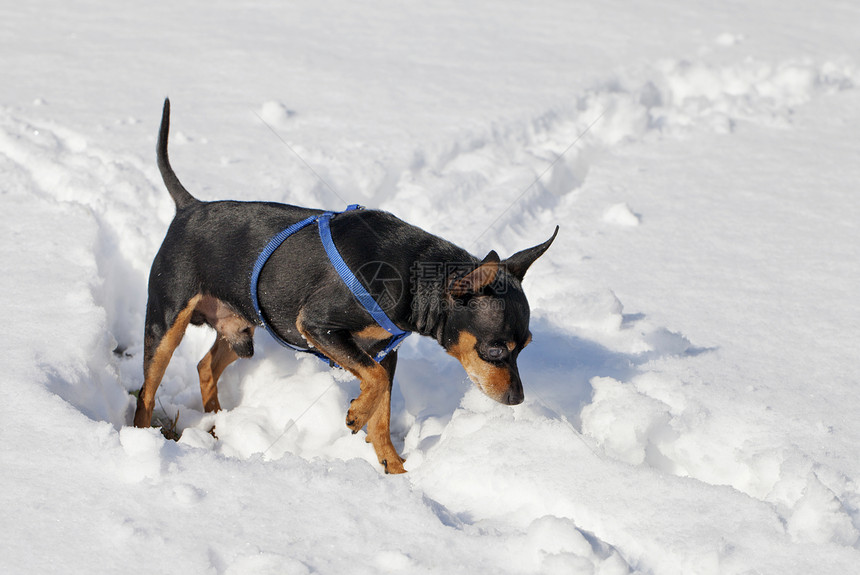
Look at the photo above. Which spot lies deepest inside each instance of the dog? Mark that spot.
(211, 255)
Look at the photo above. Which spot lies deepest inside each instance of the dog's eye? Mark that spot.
(496, 353)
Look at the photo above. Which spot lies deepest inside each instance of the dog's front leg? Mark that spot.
(339, 346)
(372, 406)
(378, 427)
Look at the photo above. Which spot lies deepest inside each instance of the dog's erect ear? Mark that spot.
(519, 263)
(477, 279)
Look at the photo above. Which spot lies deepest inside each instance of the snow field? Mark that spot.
(689, 397)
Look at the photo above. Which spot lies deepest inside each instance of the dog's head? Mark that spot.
(487, 322)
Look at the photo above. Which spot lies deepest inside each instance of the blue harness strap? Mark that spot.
(270, 248)
(355, 287)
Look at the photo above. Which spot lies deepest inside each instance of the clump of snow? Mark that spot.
(621, 214)
(820, 517)
(628, 425)
(143, 450)
(275, 113)
(729, 39)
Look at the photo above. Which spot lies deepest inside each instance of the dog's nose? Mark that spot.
(514, 395)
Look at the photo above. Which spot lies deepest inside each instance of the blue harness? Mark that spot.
(355, 286)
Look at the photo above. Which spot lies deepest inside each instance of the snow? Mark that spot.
(691, 387)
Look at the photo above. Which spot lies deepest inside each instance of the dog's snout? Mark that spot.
(514, 395)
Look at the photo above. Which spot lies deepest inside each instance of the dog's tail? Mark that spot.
(180, 195)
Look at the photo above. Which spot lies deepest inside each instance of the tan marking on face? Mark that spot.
(492, 380)
(477, 279)
(511, 346)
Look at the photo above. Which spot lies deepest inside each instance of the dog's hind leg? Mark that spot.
(378, 427)
(159, 345)
(210, 369)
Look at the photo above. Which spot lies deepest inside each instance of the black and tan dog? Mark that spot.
(202, 274)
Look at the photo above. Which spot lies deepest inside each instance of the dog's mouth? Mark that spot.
(501, 385)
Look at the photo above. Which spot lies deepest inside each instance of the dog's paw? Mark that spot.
(355, 419)
(394, 465)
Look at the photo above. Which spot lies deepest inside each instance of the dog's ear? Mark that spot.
(519, 263)
(477, 279)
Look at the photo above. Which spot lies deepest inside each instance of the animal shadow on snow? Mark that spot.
(556, 370)
(557, 367)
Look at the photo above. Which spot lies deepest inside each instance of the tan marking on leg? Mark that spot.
(379, 434)
(210, 369)
(373, 384)
(153, 371)
(492, 380)
(373, 381)
(372, 407)
(373, 332)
